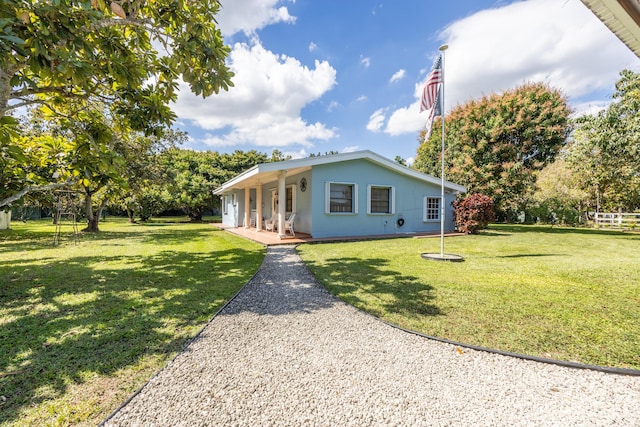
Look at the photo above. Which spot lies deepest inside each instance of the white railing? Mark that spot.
(618, 220)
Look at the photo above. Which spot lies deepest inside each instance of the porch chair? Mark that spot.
(288, 224)
(271, 224)
(252, 219)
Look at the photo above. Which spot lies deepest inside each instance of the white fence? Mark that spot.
(618, 220)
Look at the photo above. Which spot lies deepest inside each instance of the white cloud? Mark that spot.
(350, 149)
(251, 15)
(560, 43)
(406, 120)
(590, 107)
(333, 105)
(361, 98)
(312, 47)
(365, 61)
(264, 108)
(398, 75)
(376, 120)
(557, 42)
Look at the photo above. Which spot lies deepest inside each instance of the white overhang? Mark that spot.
(620, 16)
(268, 172)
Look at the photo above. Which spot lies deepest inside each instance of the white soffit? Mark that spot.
(620, 16)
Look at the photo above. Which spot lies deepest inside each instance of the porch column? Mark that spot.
(247, 207)
(282, 203)
(259, 207)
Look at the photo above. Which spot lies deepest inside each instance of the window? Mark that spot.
(431, 208)
(290, 199)
(381, 199)
(341, 198)
(225, 205)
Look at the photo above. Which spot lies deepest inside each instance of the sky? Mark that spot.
(344, 75)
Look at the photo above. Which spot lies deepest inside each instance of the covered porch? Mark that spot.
(268, 199)
(264, 237)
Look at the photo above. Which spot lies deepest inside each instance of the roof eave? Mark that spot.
(622, 17)
(342, 157)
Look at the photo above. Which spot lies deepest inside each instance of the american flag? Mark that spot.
(431, 95)
(432, 85)
(433, 113)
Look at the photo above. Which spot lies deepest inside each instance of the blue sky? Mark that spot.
(314, 76)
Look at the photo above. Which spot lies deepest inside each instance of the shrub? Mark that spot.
(473, 213)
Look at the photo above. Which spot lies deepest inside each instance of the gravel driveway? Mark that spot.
(286, 352)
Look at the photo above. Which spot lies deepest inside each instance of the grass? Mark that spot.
(83, 326)
(567, 294)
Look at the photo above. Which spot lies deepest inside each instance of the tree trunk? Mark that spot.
(195, 216)
(5, 90)
(131, 215)
(5, 220)
(92, 219)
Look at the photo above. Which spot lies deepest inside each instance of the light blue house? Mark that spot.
(349, 194)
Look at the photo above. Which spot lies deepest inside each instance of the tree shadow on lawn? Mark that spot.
(365, 284)
(43, 237)
(67, 321)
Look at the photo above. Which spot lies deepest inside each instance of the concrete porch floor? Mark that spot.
(269, 238)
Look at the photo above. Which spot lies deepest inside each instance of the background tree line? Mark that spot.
(135, 174)
(524, 149)
(99, 76)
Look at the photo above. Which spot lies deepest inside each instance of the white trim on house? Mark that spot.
(622, 17)
(430, 212)
(267, 172)
(392, 199)
(327, 198)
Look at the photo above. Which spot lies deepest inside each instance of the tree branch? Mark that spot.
(63, 90)
(24, 191)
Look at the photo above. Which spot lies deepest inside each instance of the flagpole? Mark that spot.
(434, 88)
(442, 201)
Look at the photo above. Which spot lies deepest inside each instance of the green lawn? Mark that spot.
(569, 294)
(83, 326)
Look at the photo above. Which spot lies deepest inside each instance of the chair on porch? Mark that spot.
(288, 224)
(252, 219)
(271, 224)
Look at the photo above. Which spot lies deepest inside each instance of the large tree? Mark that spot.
(495, 145)
(148, 182)
(605, 149)
(93, 157)
(195, 174)
(129, 54)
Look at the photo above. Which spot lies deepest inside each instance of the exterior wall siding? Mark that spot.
(310, 205)
(409, 202)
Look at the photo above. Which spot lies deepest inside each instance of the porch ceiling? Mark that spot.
(255, 177)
